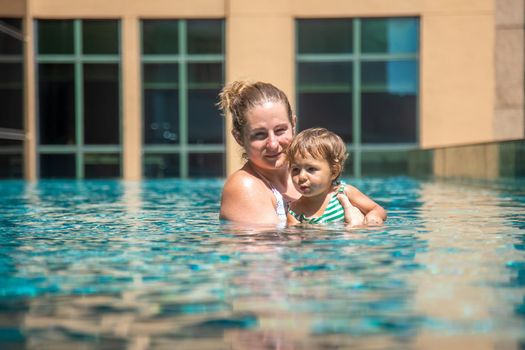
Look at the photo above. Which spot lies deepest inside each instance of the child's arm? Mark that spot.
(374, 213)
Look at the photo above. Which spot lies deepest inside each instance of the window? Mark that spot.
(362, 83)
(182, 74)
(79, 98)
(11, 98)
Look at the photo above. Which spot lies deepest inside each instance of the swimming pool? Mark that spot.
(111, 264)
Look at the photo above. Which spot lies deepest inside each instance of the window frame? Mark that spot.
(356, 148)
(78, 59)
(182, 148)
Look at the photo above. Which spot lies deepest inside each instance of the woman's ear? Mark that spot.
(237, 136)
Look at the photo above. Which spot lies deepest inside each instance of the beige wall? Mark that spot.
(260, 46)
(456, 62)
(463, 97)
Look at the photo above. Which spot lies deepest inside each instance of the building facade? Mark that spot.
(127, 88)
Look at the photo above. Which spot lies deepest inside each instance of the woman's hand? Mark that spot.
(353, 215)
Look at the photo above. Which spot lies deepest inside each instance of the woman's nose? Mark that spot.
(272, 141)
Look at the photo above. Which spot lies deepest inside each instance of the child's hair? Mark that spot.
(320, 144)
(239, 97)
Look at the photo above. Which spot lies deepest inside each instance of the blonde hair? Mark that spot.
(239, 97)
(320, 144)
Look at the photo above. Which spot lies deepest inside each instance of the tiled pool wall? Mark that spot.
(487, 161)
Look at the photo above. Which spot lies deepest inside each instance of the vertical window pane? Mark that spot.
(325, 97)
(161, 116)
(11, 166)
(324, 36)
(160, 37)
(56, 90)
(205, 36)
(204, 121)
(161, 165)
(329, 110)
(11, 159)
(100, 37)
(161, 104)
(9, 45)
(101, 166)
(101, 104)
(206, 165)
(57, 166)
(389, 101)
(55, 37)
(390, 35)
(11, 96)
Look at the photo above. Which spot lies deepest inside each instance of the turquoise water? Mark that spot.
(111, 264)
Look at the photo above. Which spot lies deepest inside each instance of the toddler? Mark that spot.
(316, 157)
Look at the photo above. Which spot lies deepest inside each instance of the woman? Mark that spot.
(264, 125)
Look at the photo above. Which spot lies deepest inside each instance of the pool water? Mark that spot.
(146, 265)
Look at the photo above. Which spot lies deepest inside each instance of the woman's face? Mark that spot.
(267, 133)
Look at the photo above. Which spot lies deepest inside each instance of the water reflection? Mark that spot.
(149, 265)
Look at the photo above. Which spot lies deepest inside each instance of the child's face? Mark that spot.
(311, 176)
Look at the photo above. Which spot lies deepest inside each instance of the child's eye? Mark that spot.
(312, 169)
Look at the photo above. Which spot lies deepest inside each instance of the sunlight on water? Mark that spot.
(148, 265)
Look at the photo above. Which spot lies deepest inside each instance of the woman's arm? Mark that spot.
(245, 199)
(374, 213)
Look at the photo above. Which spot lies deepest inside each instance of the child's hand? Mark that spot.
(372, 220)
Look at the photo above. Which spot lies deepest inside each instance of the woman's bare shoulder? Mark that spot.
(242, 181)
(244, 197)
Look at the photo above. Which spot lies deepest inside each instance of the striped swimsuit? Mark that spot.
(334, 211)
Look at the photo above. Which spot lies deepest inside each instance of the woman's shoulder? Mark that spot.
(243, 181)
(245, 198)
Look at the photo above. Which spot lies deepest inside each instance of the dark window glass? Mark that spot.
(324, 36)
(389, 101)
(325, 97)
(55, 37)
(161, 104)
(11, 96)
(206, 164)
(101, 104)
(384, 163)
(57, 166)
(390, 35)
(11, 166)
(325, 76)
(160, 37)
(328, 110)
(164, 75)
(10, 143)
(100, 37)
(205, 36)
(161, 165)
(161, 117)
(11, 44)
(101, 166)
(56, 97)
(205, 124)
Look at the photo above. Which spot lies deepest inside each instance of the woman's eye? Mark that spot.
(280, 131)
(259, 136)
